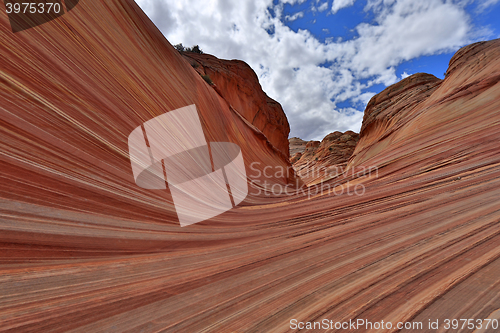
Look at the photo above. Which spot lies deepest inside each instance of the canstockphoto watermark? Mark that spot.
(358, 324)
(204, 179)
(24, 14)
(430, 325)
(333, 180)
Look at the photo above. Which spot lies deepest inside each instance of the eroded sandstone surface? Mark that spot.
(238, 84)
(408, 230)
(296, 145)
(320, 158)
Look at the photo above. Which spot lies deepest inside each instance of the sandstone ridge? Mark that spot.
(238, 84)
(334, 150)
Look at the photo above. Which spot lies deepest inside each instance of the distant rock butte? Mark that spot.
(238, 84)
(297, 145)
(84, 249)
(334, 150)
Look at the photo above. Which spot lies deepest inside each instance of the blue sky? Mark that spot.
(324, 25)
(324, 59)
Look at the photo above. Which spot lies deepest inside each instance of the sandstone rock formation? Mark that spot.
(295, 157)
(409, 230)
(310, 149)
(297, 145)
(322, 158)
(238, 84)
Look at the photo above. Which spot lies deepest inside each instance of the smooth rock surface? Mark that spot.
(412, 225)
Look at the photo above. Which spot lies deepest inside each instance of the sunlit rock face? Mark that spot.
(393, 107)
(422, 114)
(406, 231)
(238, 84)
(72, 91)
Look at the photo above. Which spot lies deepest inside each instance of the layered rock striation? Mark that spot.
(238, 84)
(297, 145)
(409, 230)
(321, 158)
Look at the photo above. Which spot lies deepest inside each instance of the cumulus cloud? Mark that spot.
(294, 16)
(405, 30)
(339, 4)
(311, 79)
(323, 7)
(485, 4)
(404, 75)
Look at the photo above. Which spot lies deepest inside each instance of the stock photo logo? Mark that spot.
(26, 14)
(205, 179)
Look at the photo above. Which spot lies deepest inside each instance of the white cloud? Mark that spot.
(310, 78)
(323, 7)
(294, 16)
(339, 4)
(485, 4)
(404, 75)
(405, 30)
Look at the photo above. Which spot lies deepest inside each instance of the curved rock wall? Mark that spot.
(84, 249)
